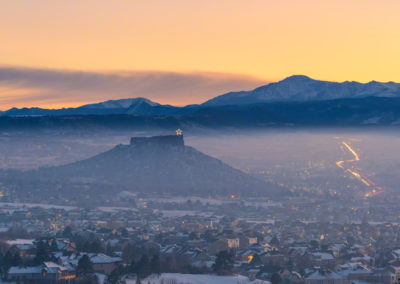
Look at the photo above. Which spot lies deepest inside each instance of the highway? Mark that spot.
(347, 166)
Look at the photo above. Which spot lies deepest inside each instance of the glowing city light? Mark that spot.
(354, 171)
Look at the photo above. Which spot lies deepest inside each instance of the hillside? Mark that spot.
(160, 164)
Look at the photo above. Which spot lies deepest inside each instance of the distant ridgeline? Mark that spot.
(295, 101)
(167, 140)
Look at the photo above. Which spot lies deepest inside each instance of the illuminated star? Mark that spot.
(178, 132)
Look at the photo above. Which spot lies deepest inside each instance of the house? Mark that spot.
(244, 241)
(233, 243)
(24, 250)
(58, 273)
(337, 249)
(322, 276)
(354, 271)
(252, 240)
(49, 272)
(395, 274)
(25, 274)
(273, 258)
(217, 246)
(103, 263)
(323, 259)
(64, 245)
(292, 277)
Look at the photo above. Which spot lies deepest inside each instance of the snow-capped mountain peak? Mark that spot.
(123, 103)
(302, 88)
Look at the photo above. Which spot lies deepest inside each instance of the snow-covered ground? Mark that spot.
(11, 207)
(177, 278)
(115, 209)
(101, 278)
(181, 213)
(20, 242)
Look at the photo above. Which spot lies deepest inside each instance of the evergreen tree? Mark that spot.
(224, 262)
(290, 264)
(115, 274)
(155, 266)
(17, 261)
(67, 233)
(1, 260)
(131, 267)
(54, 246)
(42, 252)
(109, 249)
(124, 232)
(276, 278)
(8, 260)
(256, 260)
(314, 244)
(96, 247)
(129, 252)
(275, 242)
(84, 265)
(193, 236)
(143, 267)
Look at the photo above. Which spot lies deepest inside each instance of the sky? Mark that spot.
(67, 53)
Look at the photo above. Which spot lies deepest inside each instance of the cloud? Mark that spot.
(26, 87)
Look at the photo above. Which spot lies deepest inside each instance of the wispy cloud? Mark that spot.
(26, 87)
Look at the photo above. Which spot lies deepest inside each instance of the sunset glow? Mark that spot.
(267, 40)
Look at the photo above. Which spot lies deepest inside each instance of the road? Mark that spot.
(348, 166)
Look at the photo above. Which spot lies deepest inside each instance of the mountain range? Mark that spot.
(297, 88)
(296, 100)
(301, 88)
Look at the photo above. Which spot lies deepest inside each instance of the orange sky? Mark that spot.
(334, 40)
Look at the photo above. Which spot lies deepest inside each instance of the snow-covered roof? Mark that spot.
(353, 268)
(25, 246)
(19, 242)
(320, 275)
(338, 246)
(25, 270)
(49, 264)
(323, 255)
(201, 279)
(102, 258)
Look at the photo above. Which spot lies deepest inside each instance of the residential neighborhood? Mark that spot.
(225, 237)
